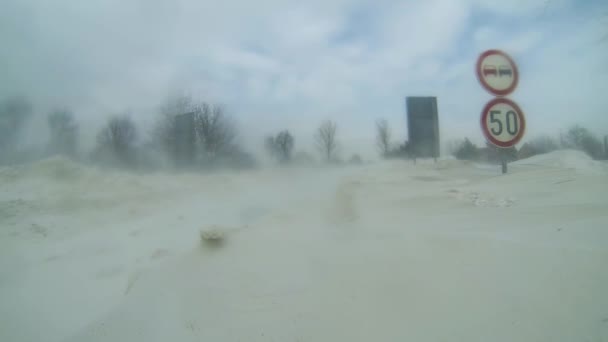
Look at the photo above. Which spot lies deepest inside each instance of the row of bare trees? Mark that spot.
(384, 144)
(577, 137)
(280, 146)
(201, 128)
(185, 133)
(14, 115)
(116, 141)
(196, 133)
(120, 142)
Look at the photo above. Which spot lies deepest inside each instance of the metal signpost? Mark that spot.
(502, 121)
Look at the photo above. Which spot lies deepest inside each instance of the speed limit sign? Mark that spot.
(503, 122)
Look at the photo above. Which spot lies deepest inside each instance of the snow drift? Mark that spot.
(566, 159)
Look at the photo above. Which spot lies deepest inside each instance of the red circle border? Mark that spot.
(486, 131)
(483, 82)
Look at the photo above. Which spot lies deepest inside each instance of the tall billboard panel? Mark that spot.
(423, 126)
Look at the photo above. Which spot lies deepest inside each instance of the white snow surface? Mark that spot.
(447, 251)
(569, 159)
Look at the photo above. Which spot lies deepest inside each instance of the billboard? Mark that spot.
(423, 126)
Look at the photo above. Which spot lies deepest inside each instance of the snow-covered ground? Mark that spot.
(391, 251)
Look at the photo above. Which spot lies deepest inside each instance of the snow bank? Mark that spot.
(54, 168)
(60, 186)
(60, 171)
(566, 159)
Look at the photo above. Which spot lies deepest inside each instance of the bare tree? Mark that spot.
(64, 133)
(383, 137)
(116, 140)
(281, 146)
(542, 144)
(325, 139)
(216, 132)
(581, 138)
(465, 150)
(285, 143)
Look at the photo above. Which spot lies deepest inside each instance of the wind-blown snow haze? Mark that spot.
(184, 170)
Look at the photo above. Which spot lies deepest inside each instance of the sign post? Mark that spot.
(502, 121)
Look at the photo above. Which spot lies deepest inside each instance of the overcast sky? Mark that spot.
(291, 64)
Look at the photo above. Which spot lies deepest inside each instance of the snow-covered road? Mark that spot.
(379, 252)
